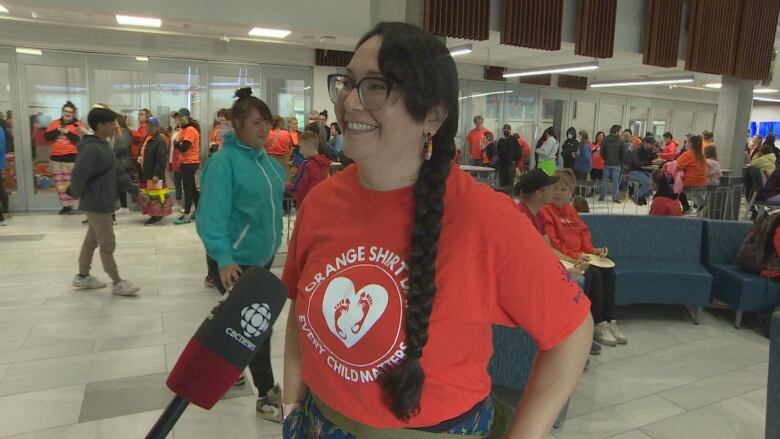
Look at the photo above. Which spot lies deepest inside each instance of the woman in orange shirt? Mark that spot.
(64, 133)
(694, 167)
(188, 144)
(369, 346)
(570, 236)
(279, 145)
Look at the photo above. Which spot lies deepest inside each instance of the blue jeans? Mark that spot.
(611, 173)
(644, 184)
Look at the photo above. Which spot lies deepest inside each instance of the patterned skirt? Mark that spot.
(61, 172)
(159, 203)
(308, 422)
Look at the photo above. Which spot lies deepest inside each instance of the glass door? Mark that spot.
(639, 116)
(520, 109)
(287, 91)
(180, 84)
(121, 83)
(224, 80)
(554, 112)
(612, 111)
(15, 163)
(47, 82)
(583, 112)
(663, 115)
(684, 115)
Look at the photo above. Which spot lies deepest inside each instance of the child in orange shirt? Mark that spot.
(570, 236)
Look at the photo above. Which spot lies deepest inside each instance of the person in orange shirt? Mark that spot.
(670, 147)
(64, 134)
(694, 167)
(219, 129)
(474, 141)
(188, 144)
(569, 235)
(279, 145)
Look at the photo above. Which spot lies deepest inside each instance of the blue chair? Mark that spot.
(658, 259)
(738, 289)
(773, 384)
(514, 352)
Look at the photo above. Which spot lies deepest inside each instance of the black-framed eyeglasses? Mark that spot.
(372, 91)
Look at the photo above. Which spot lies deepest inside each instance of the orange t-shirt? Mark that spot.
(279, 142)
(62, 145)
(695, 173)
(347, 271)
(474, 139)
(597, 161)
(567, 232)
(192, 135)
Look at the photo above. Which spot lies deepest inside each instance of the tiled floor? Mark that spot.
(89, 365)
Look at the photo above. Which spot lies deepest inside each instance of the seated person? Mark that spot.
(535, 190)
(638, 159)
(770, 192)
(694, 167)
(669, 152)
(665, 201)
(713, 167)
(570, 236)
(765, 160)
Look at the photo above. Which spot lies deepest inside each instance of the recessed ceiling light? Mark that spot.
(130, 20)
(578, 67)
(715, 85)
(27, 51)
(464, 49)
(648, 81)
(270, 33)
(766, 100)
(142, 58)
(764, 90)
(3, 9)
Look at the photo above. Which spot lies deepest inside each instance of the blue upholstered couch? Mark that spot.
(658, 259)
(740, 290)
(773, 385)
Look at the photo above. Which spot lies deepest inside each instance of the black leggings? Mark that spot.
(3, 197)
(600, 289)
(596, 174)
(260, 365)
(191, 194)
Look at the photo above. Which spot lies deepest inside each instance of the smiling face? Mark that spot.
(253, 130)
(385, 134)
(68, 114)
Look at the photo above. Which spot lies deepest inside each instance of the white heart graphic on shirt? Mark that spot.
(350, 314)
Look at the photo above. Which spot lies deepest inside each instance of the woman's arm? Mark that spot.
(554, 376)
(294, 388)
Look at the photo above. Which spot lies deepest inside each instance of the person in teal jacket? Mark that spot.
(240, 219)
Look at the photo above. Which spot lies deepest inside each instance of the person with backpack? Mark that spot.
(583, 157)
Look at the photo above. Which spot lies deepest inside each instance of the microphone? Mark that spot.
(223, 345)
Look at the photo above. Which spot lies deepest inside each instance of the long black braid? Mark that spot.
(421, 66)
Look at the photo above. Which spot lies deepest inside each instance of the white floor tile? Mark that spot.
(630, 378)
(761, 369)
(634, 434)
(714, 356)
(229, 418)
(730, 419)
(700, 393)
(30, 353)
(124, 427)
(89, 329)
(757, 397)
(37, 410)
(80, 369)
(619, 419)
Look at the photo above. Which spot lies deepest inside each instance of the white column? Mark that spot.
(735, 103)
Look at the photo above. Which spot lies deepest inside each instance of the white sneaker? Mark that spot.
(270, 406)
(616, 332)
(603, 335)
(125, 288)
(87, 282)
(123, 211)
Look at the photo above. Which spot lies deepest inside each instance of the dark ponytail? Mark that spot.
(424, 70)
(243, 106)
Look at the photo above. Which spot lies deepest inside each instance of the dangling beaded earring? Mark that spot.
(428, 146)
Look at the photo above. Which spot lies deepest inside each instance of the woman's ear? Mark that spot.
(435, 119)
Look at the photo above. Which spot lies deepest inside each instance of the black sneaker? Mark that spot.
(153, 220)
(65, 210)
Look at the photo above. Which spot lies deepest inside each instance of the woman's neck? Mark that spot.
(388, 175)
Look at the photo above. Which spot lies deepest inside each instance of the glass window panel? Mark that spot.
(6, 122)
(637, 120)
(662, 121)
(173, 91)
(583, 116)
(552, 114)
(48, 88)
(705, 121)
(485, 100)
(609, 114)
(124, 91)
(288, 91)
(520, 112)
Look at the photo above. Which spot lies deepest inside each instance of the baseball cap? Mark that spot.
(153, 121)
(534, 180)
(183, 112)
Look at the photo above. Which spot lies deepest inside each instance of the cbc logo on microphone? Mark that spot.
(255, 319)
